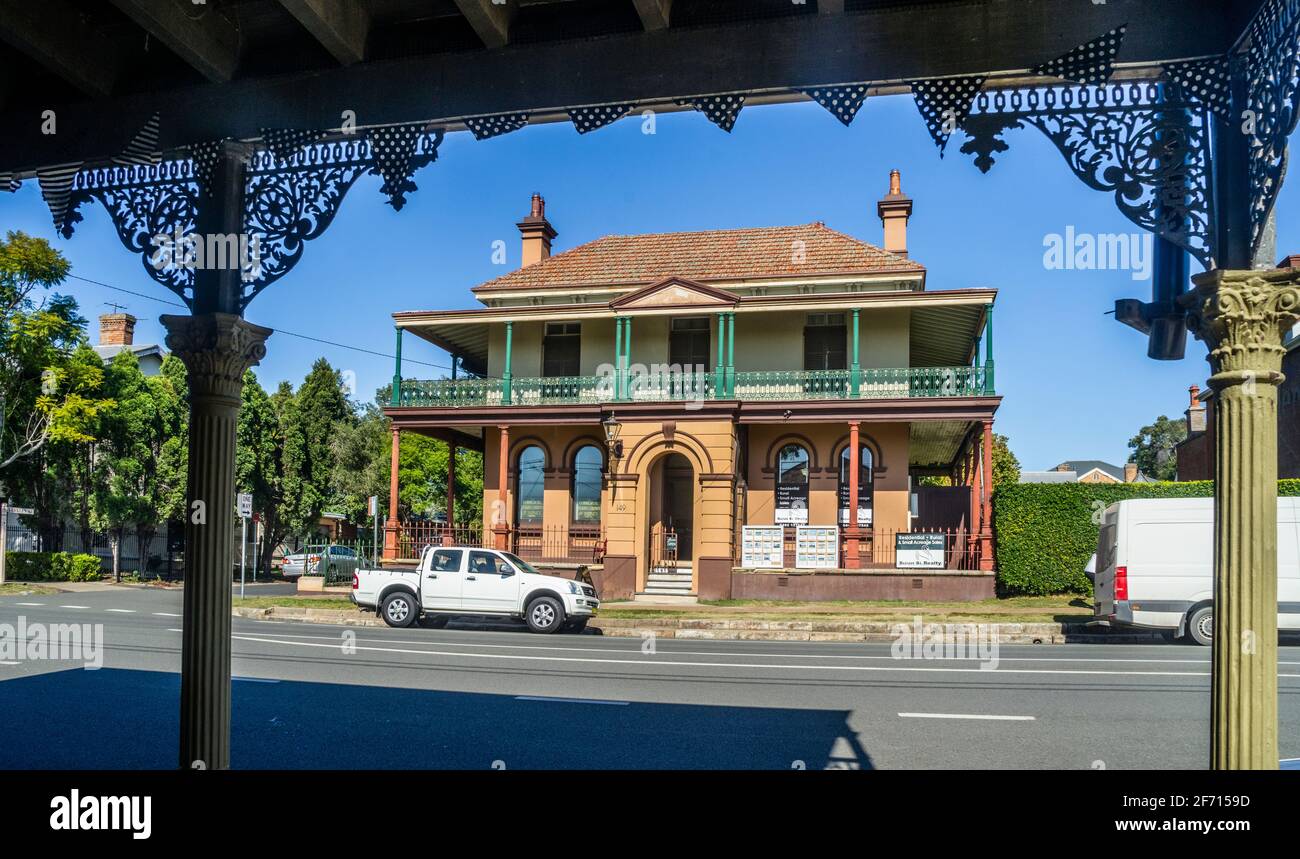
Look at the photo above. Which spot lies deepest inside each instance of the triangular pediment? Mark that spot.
(677, 292)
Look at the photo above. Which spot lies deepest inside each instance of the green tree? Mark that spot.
(1006, 467)
(310, 419)
(1155, 448)
(49, 385)
(139, 478)
(361, 454)
(56, 479)
(259, 461)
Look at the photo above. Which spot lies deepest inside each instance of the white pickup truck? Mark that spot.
(456, 581)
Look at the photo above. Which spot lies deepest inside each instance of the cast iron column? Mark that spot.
(500, 519)
(393, 527)
(1242, 317)
(216, 349)
(851, 559)
(449, 537)
(986, 503)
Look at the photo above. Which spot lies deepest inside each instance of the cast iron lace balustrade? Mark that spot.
(873, 384)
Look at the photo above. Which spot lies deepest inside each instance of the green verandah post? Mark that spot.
(988, 351)
(618, 357)
(627, 357)
(731, 354)
(505, 373)
(855, 373)
(719, 369)
(397, 372)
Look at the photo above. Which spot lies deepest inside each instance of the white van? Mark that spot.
(1155, 562)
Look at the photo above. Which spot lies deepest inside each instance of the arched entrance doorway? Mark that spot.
(671, 520)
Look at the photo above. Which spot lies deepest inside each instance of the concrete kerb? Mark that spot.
(747, 630)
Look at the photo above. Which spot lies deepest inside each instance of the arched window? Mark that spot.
(866, 487)
(585, 490)
(529, 487)
(792, 485)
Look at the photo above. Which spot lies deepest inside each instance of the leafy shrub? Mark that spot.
(52, 567)
(1044, 532)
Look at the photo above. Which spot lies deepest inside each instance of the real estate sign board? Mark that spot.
(919, 551)
(762, 547)
(791, 504)
(817, 547)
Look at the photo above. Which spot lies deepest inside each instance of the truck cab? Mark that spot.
(458, 581)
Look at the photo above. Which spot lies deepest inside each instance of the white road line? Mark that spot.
(175, 630)
(570, 700)
(74, 606)
(674, 652)
(29, 603)
(254, 680)
(777, 666)
(121, 610)
(965, 716)
(164, 614)
(7, 662)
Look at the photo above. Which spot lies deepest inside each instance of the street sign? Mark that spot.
(22, 511)
(245, 505)
(374, 505)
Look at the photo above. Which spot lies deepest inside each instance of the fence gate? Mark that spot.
(663, 548)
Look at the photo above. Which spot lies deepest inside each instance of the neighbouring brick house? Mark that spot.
(640, 399)
(1196, 452)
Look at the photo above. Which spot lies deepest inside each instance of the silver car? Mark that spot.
(340, 562)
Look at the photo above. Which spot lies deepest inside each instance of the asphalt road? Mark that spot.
(313, 696)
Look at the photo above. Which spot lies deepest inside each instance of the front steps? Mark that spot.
(668, 586)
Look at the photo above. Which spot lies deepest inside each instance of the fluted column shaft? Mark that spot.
(1242, 316)
(216, 348)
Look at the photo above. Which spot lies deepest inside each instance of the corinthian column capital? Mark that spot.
(216, 349)
(1243, 317)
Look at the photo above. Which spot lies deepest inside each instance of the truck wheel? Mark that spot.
(545, 614)
(1200, 625)
(577, 626)
(399, 609)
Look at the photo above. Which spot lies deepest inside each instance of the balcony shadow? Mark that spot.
(127, 719)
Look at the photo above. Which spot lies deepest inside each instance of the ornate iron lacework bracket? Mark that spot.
(1272, 88)
(1136, 141)
(286, 204)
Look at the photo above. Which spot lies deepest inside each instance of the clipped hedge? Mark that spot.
(51, 567)
(1044, 532)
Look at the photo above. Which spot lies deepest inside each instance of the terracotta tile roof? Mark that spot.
(709, 255)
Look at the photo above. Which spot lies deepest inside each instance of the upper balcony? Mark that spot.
(683, 342)
(665, 387)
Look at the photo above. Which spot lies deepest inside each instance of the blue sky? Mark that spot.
(1077, 384)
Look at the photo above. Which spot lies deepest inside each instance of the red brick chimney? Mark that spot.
(1195, 411)
(1130, 472)
(116, 329)
(537, 232)
(895, 209)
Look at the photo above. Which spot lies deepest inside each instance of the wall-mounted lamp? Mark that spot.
(612, 430)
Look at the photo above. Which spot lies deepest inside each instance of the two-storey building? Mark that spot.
(641, 399)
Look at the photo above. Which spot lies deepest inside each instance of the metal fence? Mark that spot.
(877, 548)
(157, 557)
(549, 544)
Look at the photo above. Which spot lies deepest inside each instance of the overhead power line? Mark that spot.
(277, 330)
